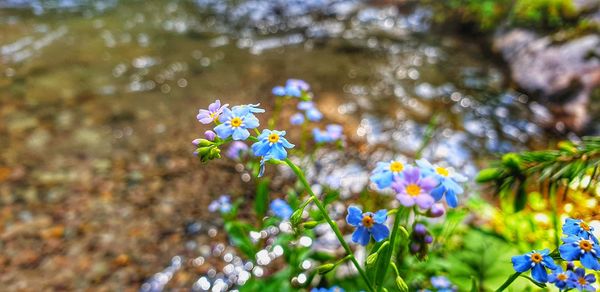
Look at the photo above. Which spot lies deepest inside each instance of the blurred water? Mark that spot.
(99, 98)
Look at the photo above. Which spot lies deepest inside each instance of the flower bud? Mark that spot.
(210, 135)
(310, 224)
(570, 266)
(372, 258)
(402, 287)
(437, 210)
(414, 247)
(428, 239)
(325, 268)
(420, 229)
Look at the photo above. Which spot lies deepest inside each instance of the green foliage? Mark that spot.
(261, 203)
(489, 14)
(516, 171)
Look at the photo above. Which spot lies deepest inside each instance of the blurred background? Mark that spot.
(98, 185)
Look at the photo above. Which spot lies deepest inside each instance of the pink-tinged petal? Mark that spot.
(424, 201)
(405, 200)
(428, 183)
(213, 107)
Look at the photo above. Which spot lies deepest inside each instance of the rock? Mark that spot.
(563, 74)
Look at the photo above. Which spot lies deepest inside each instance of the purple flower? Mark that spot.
(212, 114)
(236, 149)
(413, 189)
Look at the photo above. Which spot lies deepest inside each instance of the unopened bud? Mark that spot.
(326, 268)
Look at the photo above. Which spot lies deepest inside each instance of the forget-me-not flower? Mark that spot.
(367, 224)
(581, 281)
(236, 122)
(579, 228)
(582, 249)
(207, 116)
(221, 204)
(332, 289)
(537, 262)
(448, 181)
(270, 145)
(384, 173)
(413, 188)
(297, 119)
(281, 209)
(560, 278)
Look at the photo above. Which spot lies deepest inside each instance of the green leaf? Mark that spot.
(238, 234)
(487, 175)
(261, 202)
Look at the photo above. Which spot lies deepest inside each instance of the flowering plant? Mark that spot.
(419, 189)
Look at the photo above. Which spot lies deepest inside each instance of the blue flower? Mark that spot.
(367, 224)
(278, 91)
(221, 204)
(442, 284)
(332, 133)
(579, 228)
(332, 289)
(384, 173)
(270, 145)
(237, 121)
(560, 278)
(281, 209)
(305, 105)
(537, 261)
(249, 108)
(582, 281)
(582, 249)
(298, 83)
(297, 119)
(314, 115)
(448, 180)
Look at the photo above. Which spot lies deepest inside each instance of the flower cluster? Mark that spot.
(293, 88)
(235, 124)
(420, 185)
(579, 244)
(420, 239)
(332, 133)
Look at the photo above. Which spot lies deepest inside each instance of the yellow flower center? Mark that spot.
(273, 138)
(585, 245)
(396, 166)
(236, 122)
(562, 277)
(413, 190)
(442, 171)
(367, 221)
(584, 226)
(582, 281)
(536, 257)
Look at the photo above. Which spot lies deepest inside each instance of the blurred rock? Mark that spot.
(563, 74)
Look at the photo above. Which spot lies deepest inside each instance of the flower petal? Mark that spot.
(354, 216)
(380, 232)
(521, 263)
(539, 273)
(380, 216)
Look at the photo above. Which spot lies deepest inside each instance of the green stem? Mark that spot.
(332, 224)
(509, 281)
(390, 251)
